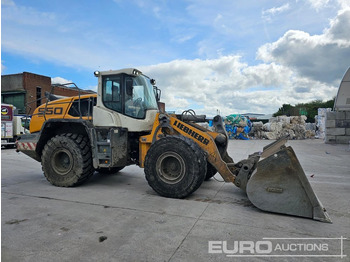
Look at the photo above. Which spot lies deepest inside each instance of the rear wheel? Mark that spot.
(67, 160)
(174, 166)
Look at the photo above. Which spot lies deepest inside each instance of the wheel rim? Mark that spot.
(170, 167)
(62, 162)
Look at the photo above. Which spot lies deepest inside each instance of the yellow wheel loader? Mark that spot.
(121, 125)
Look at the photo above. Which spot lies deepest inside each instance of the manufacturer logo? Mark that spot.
(4, 111)
(191, 132)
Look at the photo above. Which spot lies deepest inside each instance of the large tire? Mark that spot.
(174, 166)
(211, 171)
(112, 170)
(67, 160)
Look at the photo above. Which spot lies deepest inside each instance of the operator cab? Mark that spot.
(130, 96)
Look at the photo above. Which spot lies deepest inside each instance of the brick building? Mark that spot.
(26, 91)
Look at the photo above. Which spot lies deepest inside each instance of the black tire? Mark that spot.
(211, 171)
(66, 160)
(9, 146)
(111, 170)
(174, 166)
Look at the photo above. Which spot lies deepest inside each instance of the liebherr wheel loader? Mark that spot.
(122, 125)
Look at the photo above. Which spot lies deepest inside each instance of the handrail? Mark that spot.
(53, 86)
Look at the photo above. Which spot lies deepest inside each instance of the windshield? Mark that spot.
(139, 96)
(144, 89)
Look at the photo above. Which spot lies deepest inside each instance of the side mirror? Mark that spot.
(157, 93)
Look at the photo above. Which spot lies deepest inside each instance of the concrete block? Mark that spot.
(341, 123)
(335, 131)
(330, 115)
(347, 131)
(336, 115)
(342, 139)
(340, 115)
(330, 139)
(330, 123)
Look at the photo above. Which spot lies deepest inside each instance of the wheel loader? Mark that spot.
(122, 124)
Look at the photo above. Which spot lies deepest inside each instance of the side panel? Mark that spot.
(33, 144)
(103, 117)
(53, 110)
(58, 109)
(6, 130)
(106, 117)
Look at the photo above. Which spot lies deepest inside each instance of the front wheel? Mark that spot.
(211, 171)
(175, 166)
(66, 160)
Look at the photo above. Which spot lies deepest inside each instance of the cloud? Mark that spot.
(63, 81)
(7, 3)
(299, 67)
(26, 16)
(344, 4)
(267, 14)
(184, 38)
(65, 40)
(92, 88)
(26, 34)
(318, 4)
(339, 28)
(319, 57)
(232, 86)
(60, 80)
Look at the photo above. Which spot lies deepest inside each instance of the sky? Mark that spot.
(231, 56)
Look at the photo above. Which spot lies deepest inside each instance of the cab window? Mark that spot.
(84, 108)
(111, 93)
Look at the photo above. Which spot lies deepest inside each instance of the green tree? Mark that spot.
(284, 110)
(309, 109)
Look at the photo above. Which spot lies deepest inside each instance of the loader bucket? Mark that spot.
(280, 185)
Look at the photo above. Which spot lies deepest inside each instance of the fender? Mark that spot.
(33, 144)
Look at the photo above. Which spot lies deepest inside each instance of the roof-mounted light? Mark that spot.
(136, 72)
(97, 73)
